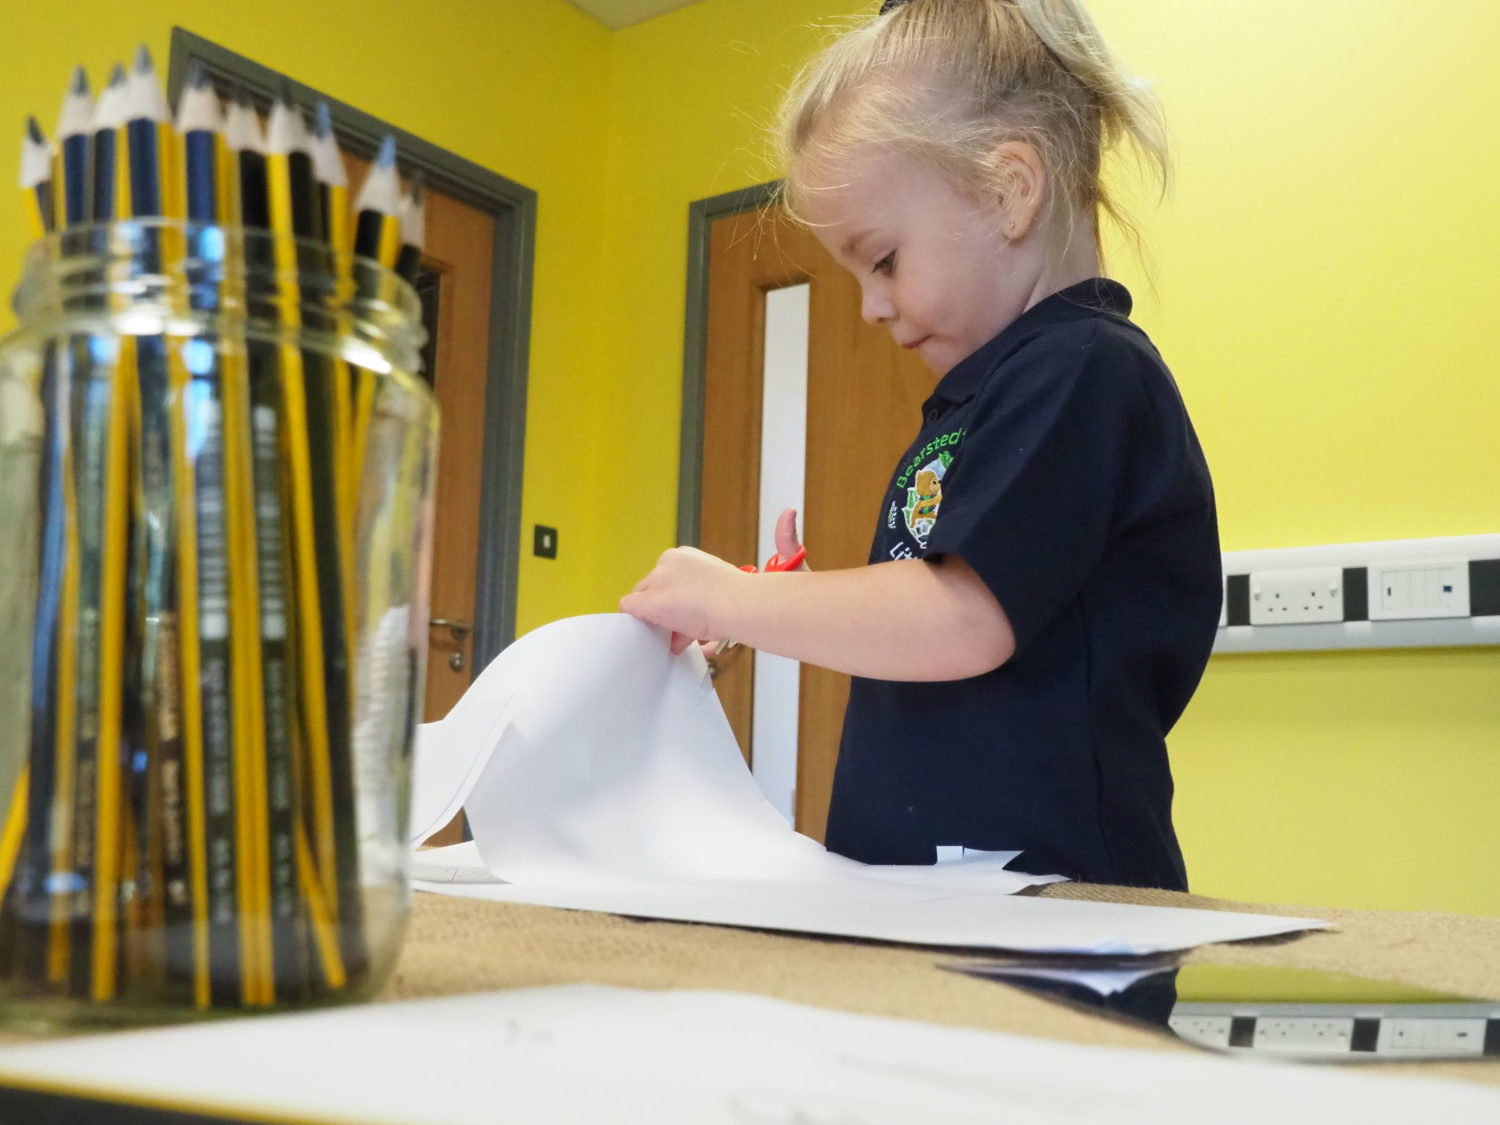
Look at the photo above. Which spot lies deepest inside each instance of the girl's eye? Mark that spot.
(886, 264)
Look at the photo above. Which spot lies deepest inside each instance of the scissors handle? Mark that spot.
(776, 562)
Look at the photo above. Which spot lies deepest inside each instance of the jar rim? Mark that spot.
(188, 270)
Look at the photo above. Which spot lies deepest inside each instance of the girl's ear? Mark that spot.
(1023, 182)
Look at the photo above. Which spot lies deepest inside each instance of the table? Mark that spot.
(457, 945)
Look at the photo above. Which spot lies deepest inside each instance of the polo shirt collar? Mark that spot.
(1087, 299)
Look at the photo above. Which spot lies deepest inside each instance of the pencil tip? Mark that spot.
(386, 158)
(325, 120)
(143, 60)
(417, 187)
(34, 132)
(80, 82)
(197, 77)
(117, 75)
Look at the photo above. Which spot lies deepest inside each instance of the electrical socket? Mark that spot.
(1210, 1031)
(1419, 589)
(1417, 1035)
(1303, 1033)
(1296, 597)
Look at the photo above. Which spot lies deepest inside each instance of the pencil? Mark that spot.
(377, 223)
(74, 129)
(333, 196)
(205, 944)
(315, 571)
(102, 398)
(413, 231)
(36, 179)
(377, 236)
(333, 183)
(154, 758)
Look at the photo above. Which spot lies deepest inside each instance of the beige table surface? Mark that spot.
(457, 945)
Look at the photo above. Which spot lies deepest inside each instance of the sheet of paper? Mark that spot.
(590, 1054)
(600, 773)
(908, 911)
(1101, 981)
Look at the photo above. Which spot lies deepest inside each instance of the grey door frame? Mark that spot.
(701, 216)
(514, 209)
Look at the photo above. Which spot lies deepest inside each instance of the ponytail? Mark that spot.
(950, 81)
(1128, 111)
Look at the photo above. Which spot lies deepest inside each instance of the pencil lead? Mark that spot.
(34, 131)
(116, 77)
(79, 86)
(197, 76)
(143, 60)
(325, 120)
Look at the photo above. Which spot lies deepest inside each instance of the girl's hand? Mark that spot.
(686, 592)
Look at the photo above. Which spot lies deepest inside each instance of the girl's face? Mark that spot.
(933, 263)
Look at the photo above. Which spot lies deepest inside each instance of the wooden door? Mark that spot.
(863, 408)
(455, 291)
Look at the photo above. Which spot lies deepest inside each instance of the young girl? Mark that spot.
(1044, 585)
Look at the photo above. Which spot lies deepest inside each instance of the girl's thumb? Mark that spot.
(786, 533)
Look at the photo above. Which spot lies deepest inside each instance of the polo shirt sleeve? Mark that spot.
(1032, 499)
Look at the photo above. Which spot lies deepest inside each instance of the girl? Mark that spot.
(1044, 585)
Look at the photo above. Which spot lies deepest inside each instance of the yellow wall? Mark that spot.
(1323, 275)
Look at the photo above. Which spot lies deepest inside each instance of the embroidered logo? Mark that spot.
(925, 496)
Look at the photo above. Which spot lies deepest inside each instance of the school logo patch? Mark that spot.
(924, 496)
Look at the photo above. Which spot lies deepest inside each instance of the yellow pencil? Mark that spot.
(315, 568)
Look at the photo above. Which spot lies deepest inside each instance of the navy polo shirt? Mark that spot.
(1058, 461)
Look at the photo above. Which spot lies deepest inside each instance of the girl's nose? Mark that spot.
(876, 308)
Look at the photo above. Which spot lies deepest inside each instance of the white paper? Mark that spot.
(601, 774)
(885, 909)
(1101, 982)
(588, 1054)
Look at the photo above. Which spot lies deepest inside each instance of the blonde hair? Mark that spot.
(949, 81)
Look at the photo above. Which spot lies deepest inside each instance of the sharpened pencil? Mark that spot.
(36, 179)
(316, 570)
(74, 132)
(413, 231)
(377, 236)
(377, 223)
(333, 183)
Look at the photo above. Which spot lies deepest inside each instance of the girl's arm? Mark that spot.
(905, 620)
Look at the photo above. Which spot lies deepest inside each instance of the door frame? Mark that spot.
(701, 217)
(513, 207)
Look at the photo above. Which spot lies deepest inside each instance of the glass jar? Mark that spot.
(217, 467)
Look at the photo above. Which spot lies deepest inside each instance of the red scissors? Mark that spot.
(775, 562)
